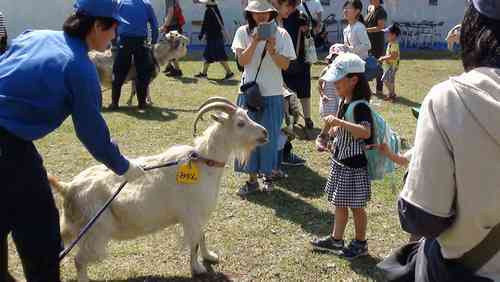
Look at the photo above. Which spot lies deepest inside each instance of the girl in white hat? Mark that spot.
(249, 50)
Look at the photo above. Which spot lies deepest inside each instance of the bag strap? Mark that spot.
(260, 64)
(297, 48)
(478, 256)
(308, 13)
(219, 20)
(349, 113)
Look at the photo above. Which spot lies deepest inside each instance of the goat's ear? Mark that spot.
(220, 117)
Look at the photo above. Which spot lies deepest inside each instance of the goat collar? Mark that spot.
(196, 157)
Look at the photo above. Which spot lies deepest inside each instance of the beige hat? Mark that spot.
(260, 6)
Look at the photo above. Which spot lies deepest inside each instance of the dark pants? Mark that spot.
(3, 45)
(287, 150)
(28, 211)
(378, 52)
(132, 48)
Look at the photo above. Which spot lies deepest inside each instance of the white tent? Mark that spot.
(50, 14)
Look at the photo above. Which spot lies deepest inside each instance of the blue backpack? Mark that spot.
(371, 68)
(378, 164)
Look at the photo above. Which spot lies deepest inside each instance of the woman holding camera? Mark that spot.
(263, 59)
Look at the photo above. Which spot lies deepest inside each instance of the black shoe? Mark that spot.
(328, 244)
(356, 249)
(200, 75)
(144, 106)
(174, 73)
(113, 107)
(228, 76)
(293, 160)
(168, 69)
(309, 123)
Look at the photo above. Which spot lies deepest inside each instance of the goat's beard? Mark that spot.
(243, 153)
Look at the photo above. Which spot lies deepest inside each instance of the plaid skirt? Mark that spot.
(348, 187)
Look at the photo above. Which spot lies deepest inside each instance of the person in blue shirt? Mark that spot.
(46, 76)
(132, 44)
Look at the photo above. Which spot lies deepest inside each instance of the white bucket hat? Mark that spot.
(343, 65)
(260, 6)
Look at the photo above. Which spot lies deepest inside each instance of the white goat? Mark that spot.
(156, 201)
(172, 45)
(453, 36)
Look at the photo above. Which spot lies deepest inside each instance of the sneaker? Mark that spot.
(268, 185)
(228, 76)
(328, 244)
(248, 188)
(200, 75)
(293, 160)
(356, 249)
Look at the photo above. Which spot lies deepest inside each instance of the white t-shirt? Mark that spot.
(314, 7)
(357, 40)
(270, 78)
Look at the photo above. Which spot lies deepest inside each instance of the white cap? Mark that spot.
(343, 65)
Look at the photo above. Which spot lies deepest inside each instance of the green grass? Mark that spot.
(266, 237)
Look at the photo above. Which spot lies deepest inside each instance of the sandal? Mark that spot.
(268, 185)
(248, 188)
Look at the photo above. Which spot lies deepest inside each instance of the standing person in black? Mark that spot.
(3, 34)
(298, 76)
(133, 45)
(375, 23)
(213, 30)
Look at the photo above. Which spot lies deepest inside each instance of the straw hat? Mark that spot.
(260, 6)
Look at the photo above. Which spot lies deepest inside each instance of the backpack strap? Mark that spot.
(349, 113)
(478, 256)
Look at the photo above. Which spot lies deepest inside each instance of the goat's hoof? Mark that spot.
(211, 257)
(198, 269)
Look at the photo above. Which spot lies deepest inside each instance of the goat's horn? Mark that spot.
(215, 106)
(217, 99)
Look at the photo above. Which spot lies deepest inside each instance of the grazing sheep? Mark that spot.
(156, 201)
(453, 37)
(172, 45)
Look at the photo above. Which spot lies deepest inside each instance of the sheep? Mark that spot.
(156, 201)
(172, 45)
(453, 37)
